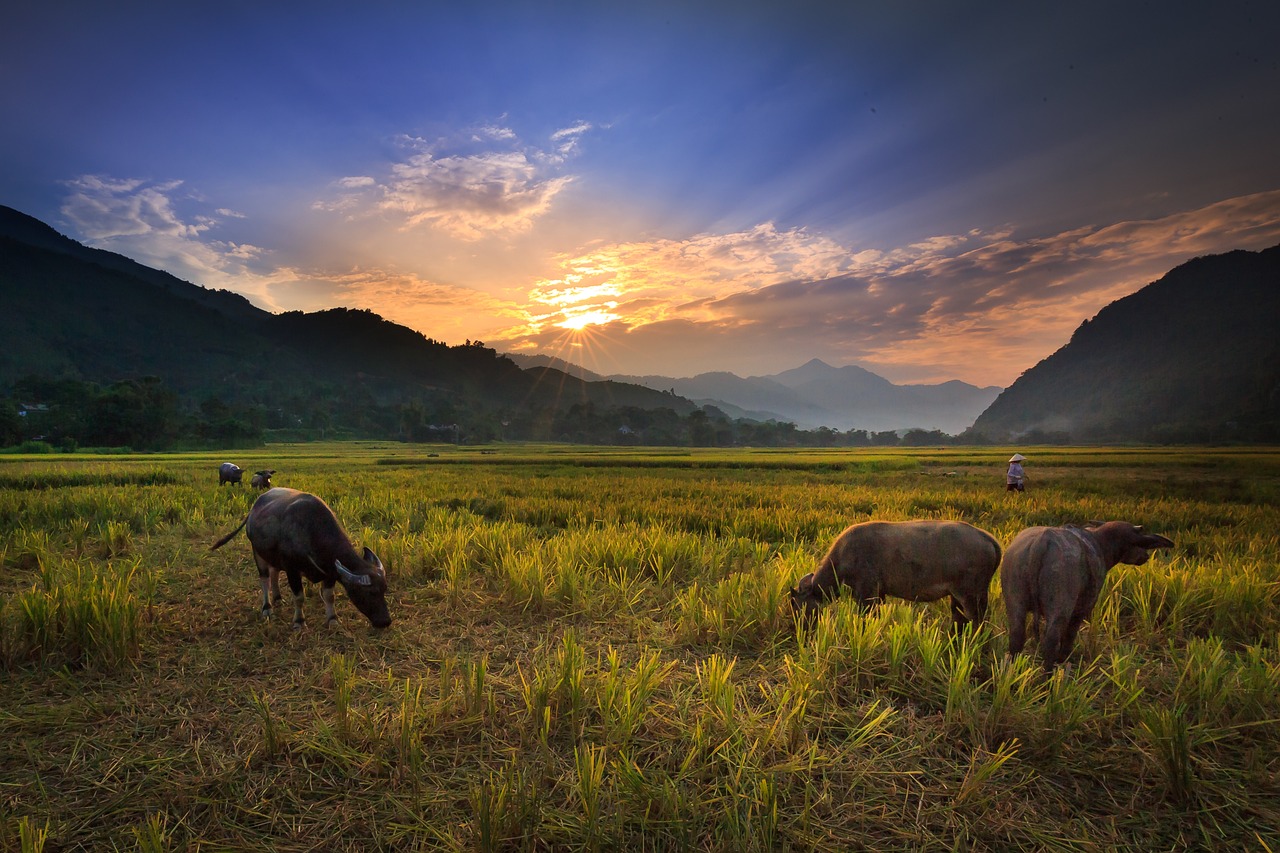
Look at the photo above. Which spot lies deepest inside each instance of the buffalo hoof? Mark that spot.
(266, 614)
(332, 623)
(298, 625)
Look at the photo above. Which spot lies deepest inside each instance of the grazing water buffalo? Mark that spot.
(1055, 574)
(296, 533)
(262, 479)
(915, 560)
(229, 472)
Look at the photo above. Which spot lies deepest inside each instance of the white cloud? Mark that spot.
(140, 219)
(567, 139)
(103, 207)
(493, 131)
(573, 131)
(471, 195)
(487, 184)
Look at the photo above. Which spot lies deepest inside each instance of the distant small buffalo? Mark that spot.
(262, 479)
(229, 472)
(296, 533)
(915, 560)
(1055, 574)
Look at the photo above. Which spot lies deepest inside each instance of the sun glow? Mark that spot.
(579, 320)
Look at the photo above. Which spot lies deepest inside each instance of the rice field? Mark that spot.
(593, 650)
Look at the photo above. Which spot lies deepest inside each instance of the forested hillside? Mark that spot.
(1193, 357)
(104, 350)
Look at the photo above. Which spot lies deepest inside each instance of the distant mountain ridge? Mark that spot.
(817, 394)
(1193, 357)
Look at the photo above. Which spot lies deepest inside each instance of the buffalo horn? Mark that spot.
(349, 576)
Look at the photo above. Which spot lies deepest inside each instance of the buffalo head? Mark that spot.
(366, 586)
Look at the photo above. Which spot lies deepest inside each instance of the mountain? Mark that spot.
(568, 367)
(1192, 357)
(817, 394)
(87, 315)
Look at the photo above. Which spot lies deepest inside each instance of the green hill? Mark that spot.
(1193, 357)
(73, 314)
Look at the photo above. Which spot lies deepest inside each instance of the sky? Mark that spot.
(933, 191)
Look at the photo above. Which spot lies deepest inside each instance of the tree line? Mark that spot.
(145, 414)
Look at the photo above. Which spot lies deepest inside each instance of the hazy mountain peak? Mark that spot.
(817, 394)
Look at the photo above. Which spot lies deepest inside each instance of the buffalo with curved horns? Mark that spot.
(298, 534)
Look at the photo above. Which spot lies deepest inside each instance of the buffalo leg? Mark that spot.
(1055, 641)
(1069, 637)
(866, 594)
(1017, 614)
(267, 576)
(959, 619)
(979, 601)
(295, 586)
(326, 595)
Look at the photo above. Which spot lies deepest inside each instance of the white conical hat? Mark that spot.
(1017, 457)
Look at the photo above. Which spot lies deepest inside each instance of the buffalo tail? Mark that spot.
(225, 539)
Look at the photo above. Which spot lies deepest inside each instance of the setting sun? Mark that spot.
(577, 321)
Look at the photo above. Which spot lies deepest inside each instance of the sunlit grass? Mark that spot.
(593, 649)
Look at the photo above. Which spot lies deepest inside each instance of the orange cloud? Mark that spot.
(981, 307)
(443, 312)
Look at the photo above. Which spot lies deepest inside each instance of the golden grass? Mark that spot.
(592, 650)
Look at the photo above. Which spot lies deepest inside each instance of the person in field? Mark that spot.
(1015, 478)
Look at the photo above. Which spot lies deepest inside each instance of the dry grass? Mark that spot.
(590, 655)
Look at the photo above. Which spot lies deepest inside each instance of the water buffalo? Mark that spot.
(297, 533)
(915, 560)
(229, 472)
(262, 479)
(1055, 574)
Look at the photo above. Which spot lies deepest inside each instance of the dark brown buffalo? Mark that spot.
(296, 533)
(229, 472)
(262, 479)
(1054, 574)
(915, 560)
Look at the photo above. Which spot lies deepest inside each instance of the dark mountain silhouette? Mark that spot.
(1192, 357)
(817, 394)
(72, 312)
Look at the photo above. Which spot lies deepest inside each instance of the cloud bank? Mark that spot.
(980, 307)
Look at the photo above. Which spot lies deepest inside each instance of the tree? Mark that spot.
(139, 413)
(10, 424)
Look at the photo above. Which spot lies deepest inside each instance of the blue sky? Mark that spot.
(930, 190)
